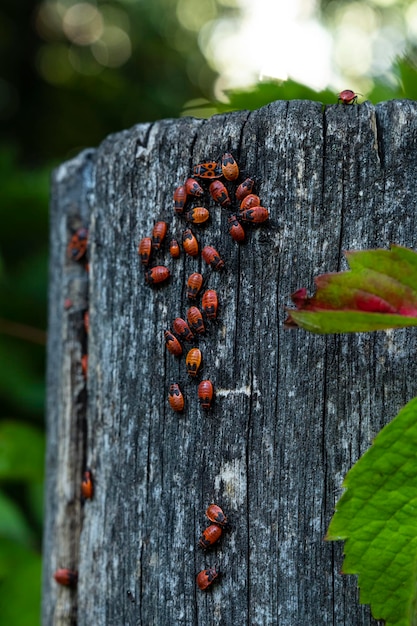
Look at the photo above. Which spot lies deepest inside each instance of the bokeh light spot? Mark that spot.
(358, 16)
(113, 48)
(411, 20)
(385, 3)
(83, 23)
(353, 50)
(193, 16)
(115, 16)
(48, 21)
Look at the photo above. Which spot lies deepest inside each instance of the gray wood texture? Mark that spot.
(293, 411)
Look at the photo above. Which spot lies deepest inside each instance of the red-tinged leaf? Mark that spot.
(379, 291)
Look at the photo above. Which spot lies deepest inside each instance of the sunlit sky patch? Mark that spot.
(282, 39)
(270, 39)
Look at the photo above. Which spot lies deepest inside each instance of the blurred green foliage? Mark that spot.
(22, 449)
(265, 92)
(57, 97)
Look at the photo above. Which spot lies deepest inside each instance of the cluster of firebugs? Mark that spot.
(250, 212)
(191, 192)
(181, 330)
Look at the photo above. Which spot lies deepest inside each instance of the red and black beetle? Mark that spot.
(230, 168)
(210, 536)
(193, 361)
(210, 169)
(193, 188)
(216, 515)
(158, 234)
(182, 329)
(87, 489)
(189, 242)
(180, 198)
(206, 577)
(172, 343)
(145, 249)
(195, 320)
(244, 189)
(236, 230)
(77, 246)
(205, 393)
(157, 274)
(194, 284)
(219, 193)
(175, 398)
(212, 257)
(255, 215)
(347, 96)
(66, 577)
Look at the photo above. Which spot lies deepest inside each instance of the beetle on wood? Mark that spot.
(210, 536)
(182, 329)
(212, 257)
(172, 344)
(255, 215)
(189, 242)
(206, 577)
(194, 284)
(87, 489)
(195, 320)
(216, 515)
(210, 303)
(157, 275)
(236, 230)
(180, 198)
(77, 246)
(66, 577)
(210, 169)
(205, 393)
(198, 215)
(193, 188)
(193, 361)
(249, 201)
(158, 234)
(244, 189)
(174, 249)
(230, 168)
(347, 96)
(219, 193)
(175, 398)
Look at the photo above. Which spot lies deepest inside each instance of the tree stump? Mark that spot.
(293, 411)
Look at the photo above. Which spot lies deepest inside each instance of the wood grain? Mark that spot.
(292, 412)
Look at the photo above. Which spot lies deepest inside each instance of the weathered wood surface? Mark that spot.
(293, 411)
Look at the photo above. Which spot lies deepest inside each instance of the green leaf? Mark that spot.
(21, 381)
(20, 588)
(352, 322)
(22, 452)
(408, 75)
(377, 517)
(380, 291)
(267, 91)
(13, 524)
(35, 501)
